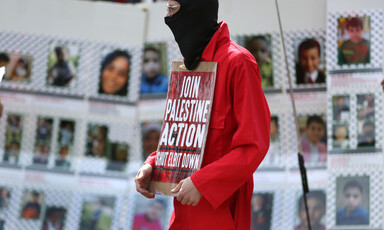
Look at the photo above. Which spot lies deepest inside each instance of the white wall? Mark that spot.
(96, 21)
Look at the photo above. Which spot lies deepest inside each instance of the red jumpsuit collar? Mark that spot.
(221, 35)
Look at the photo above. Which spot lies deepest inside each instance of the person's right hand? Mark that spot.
(143, 181)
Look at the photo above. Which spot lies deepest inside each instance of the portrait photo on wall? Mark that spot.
(316, 201)
(354, 35)
(366, 121)
(118, 157)
(154, 77)
(43, 139)
(340, 123)
(13, 138)
(65, 143)
(151, 213)
(273, 156)
(32, 205)
(313, 138)
(310, 61)
(97, 212)
(63, 62)
(352, 201)
(54, 218)
(150, 136)
(260, 46)
(98, 144)
(261, 214)
(5, 196)
(18, 67)
(114, 74)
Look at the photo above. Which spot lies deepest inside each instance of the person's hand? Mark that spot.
(143, 180)
(188, 193)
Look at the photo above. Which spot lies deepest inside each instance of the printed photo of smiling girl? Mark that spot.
(114, 73)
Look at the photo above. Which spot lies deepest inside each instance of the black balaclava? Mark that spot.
(193, 27)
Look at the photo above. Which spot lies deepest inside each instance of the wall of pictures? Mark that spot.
(84, 95)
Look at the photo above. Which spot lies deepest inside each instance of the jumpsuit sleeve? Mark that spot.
(151, 159)
(250, 142)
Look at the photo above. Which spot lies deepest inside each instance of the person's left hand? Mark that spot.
(188, 193)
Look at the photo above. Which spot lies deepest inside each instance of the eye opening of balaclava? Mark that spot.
(193, 27)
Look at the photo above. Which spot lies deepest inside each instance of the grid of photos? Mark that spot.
(261, 214)
(13, 138)
(316, 201)
(340, 123)
(154, 77)
(352, 201)
(99, 145)
(313, 133)
(43, 140)
(63, 62)
(97, 212)
(18, 67)
(151, 213)
(65, 143)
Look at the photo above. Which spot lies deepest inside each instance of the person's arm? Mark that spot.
(220, 179)
(144, 176)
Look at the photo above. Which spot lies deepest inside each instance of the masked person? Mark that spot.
(218, 196)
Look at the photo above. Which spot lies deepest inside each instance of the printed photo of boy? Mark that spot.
(352, 201)
(54, 218)
(13, 137)
(154, 75)
(32, 205)
(260, 47)
(316, 208)
(97, 141)
(150, 137)
(261, 214)
(354, 45)
(366, 120)
(150, 214)
(309, 62)
(340, 137)
(43, 140)
(313, 138)
(19, 67)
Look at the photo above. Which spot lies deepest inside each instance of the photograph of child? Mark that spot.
(54, 218)
(62, 65)
(261, 214)
(352, 201)
(316, 208)
(97, 213)
(5, 196)
(353, 43)
(43, 140)
(117, 160)
(32, 205)
(154, 74)
(115, 73)
(313, 138)
(65, 142)
(13, 137)
(340, 108)
(310, 62)
(150, 137)
(97, 141)
(261, 49)
(340, 137)
(273, 153)
(18, 67)
(366, 120)
(150, 214)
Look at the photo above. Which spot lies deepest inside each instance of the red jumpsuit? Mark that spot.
(237, 141)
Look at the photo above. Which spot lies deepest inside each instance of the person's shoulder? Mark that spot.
(362, 210)
(237, 54)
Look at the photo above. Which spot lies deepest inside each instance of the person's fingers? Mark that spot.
(195, 203)
(145, 192)
(139, 175)
(177, 188)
